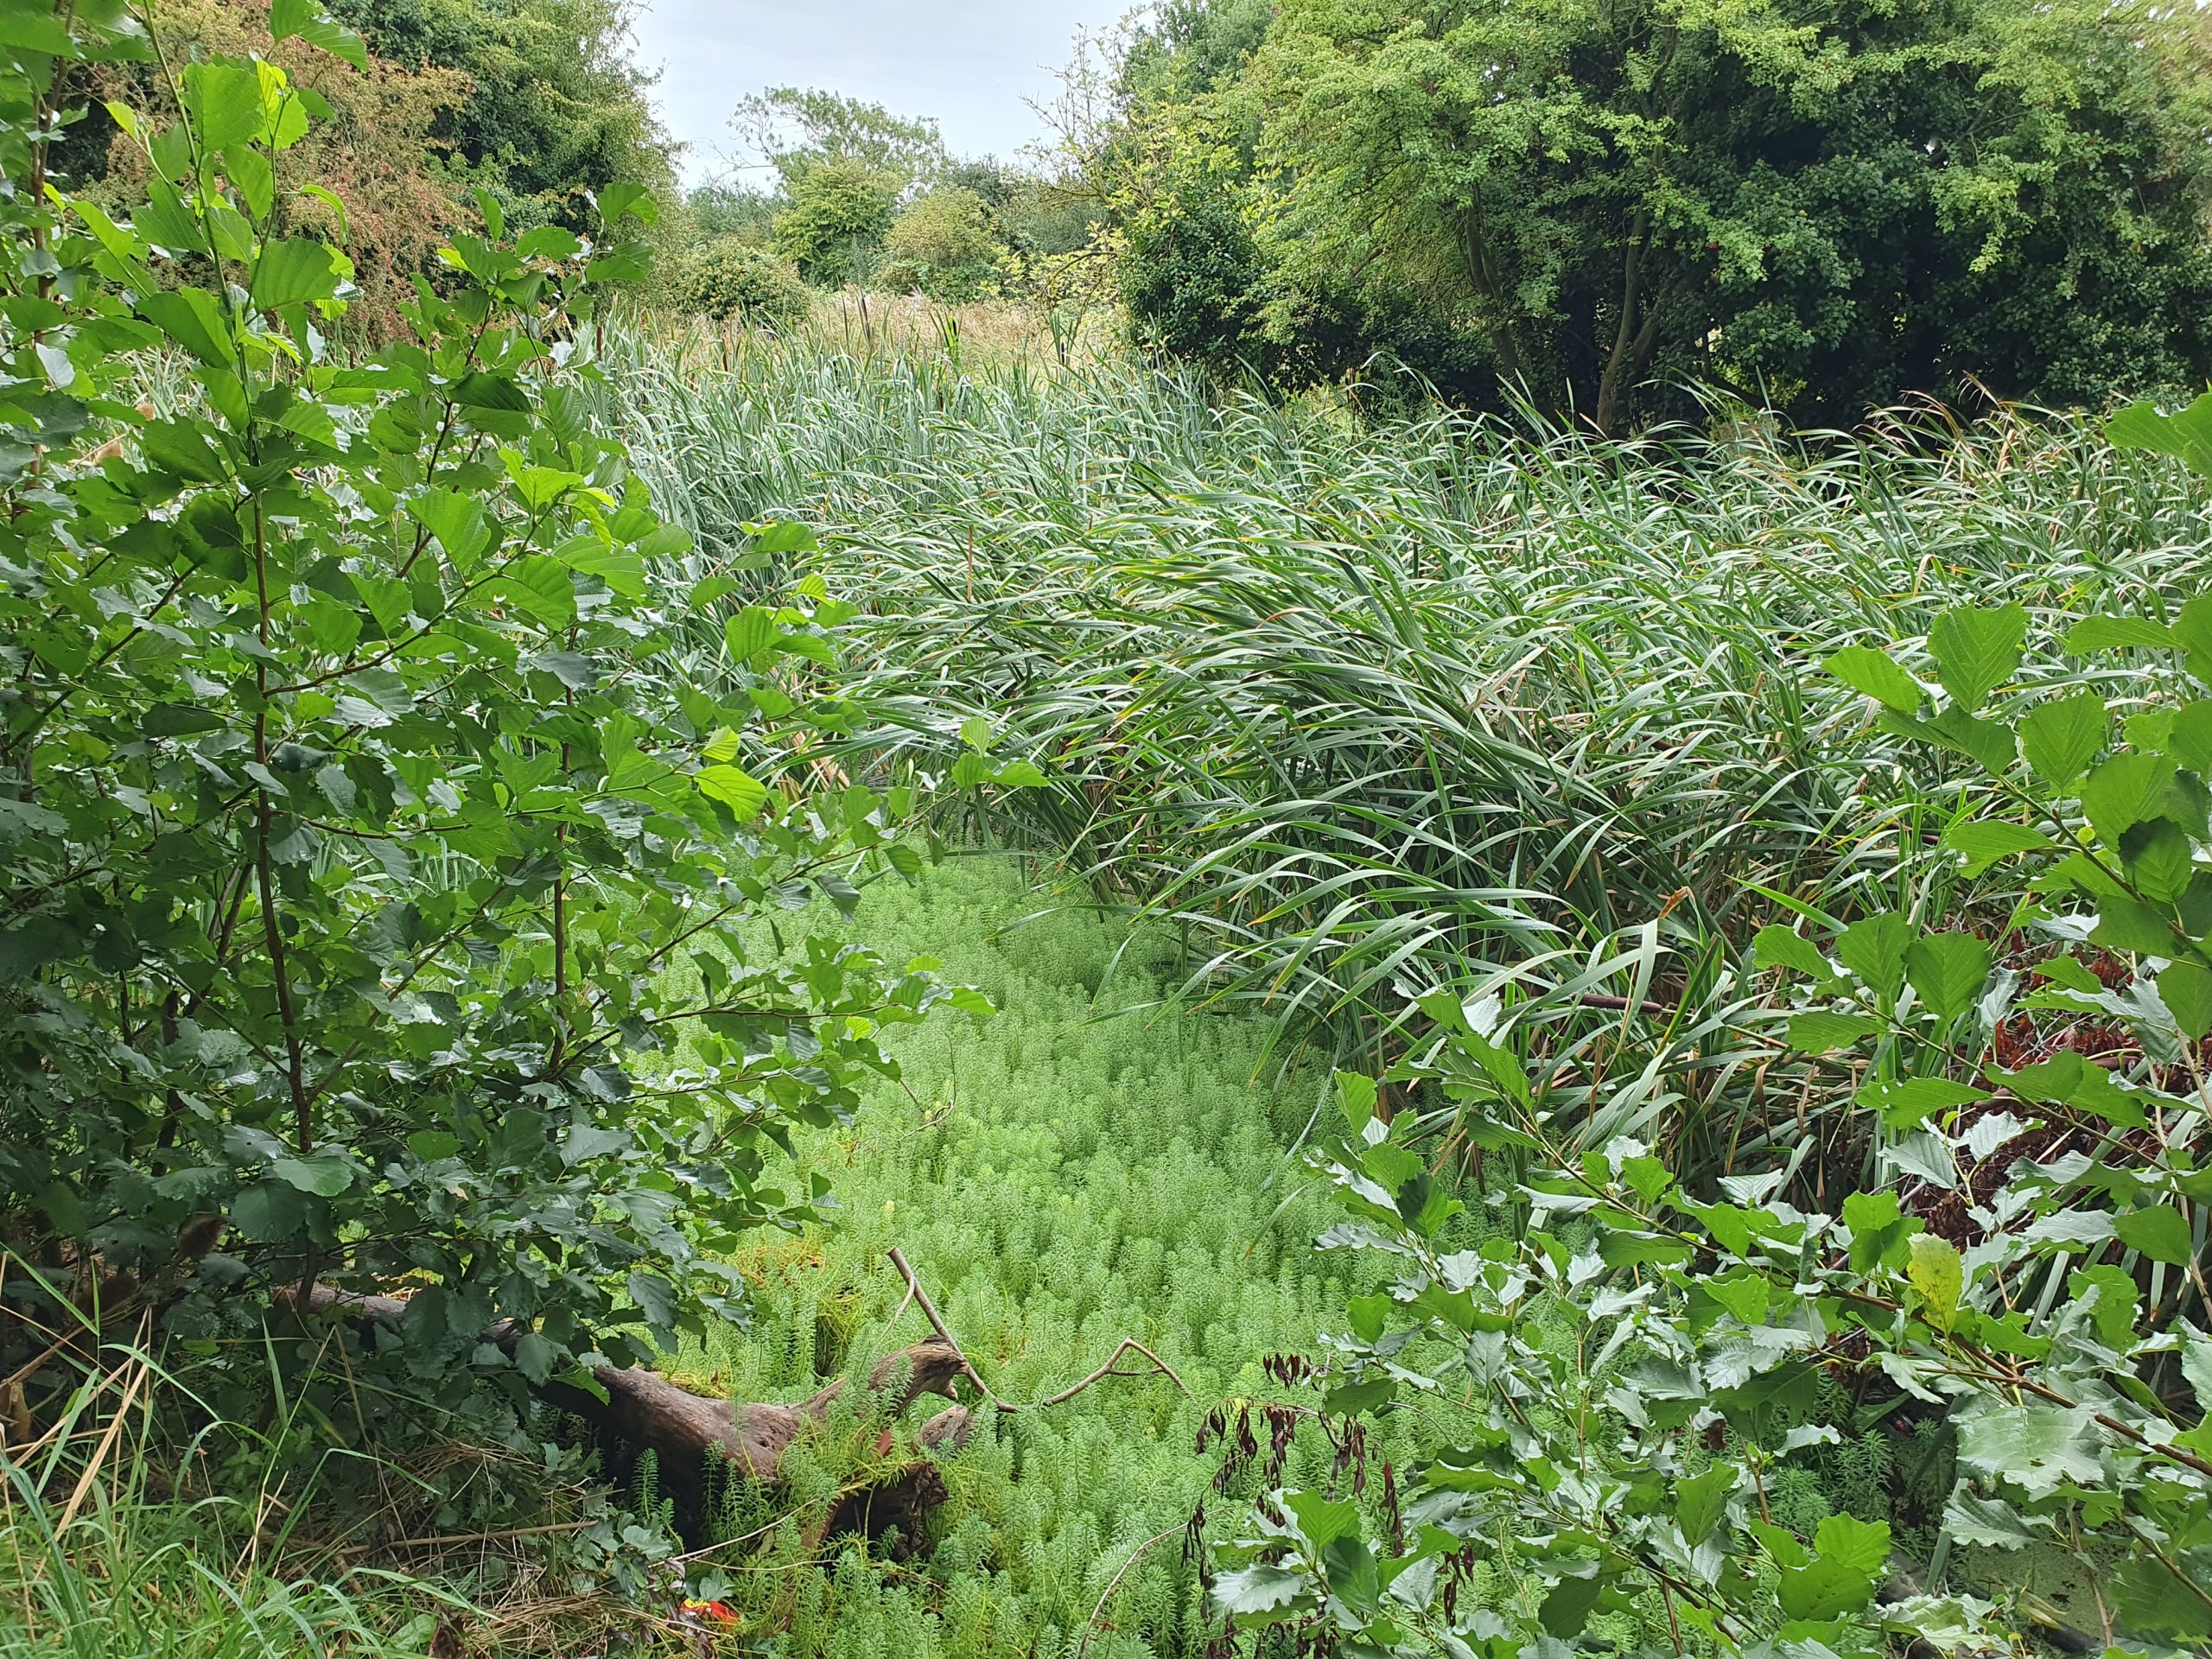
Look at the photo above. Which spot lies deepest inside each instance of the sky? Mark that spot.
(969, 63)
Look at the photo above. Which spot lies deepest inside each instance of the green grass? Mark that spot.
(1060, 1180)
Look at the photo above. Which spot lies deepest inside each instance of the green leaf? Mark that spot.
(2033, 1446)
(194, 321)
(1977, 651)
(2160, 860)
(751, 632)
(2197, 1368)
(1254, 1592)
(1777, 946)
(1935, 1272)
(2123, 790)
(1877, 674)
(225, 104)
(1823, 1589)
(539, 586)
(2125, 923)
(733, 787)
(268, 1211)
(535, 1357)
(326, 1174)
(1863, 1545)
(1908, 1102)
(1568, 1606)
(297, 270)
(456, 520)
(1949, 971)
(2146, 1594)
(2186, 989)
(1984, 842)
(2186, 434)
(1356, 1093)
(2101, 634)
(1819, 1033)
(2063, 737)
(2158, 1232)
(1874, 949)
(1700, 1500)
(1321, 1520)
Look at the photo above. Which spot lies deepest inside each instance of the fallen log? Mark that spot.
(689, 1434)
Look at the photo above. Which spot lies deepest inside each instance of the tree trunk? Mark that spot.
(645, 1412)
(1631, 346)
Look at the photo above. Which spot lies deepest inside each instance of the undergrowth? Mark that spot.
(1060, 1179)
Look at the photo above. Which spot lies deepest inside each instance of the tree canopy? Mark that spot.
(1822, 208)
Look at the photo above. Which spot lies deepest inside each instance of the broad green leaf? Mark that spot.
(2125, 923)
(1874, 949)
(1908, 1102)
(458, 523)
(2123, 790)
(1700, 1500)
(194, 319)
(1356, 1093)
(539, 586)
(1565, 1610)
(2101, 634)
(1777, 946)
(733, 787)
(2158, 859)
(1818, 1034)
(1977, 651)
(2185, 988)
(1322, 1521)
(1948, 971)
(298, 270)
(2196, 1368)
(223, 101)
(750, 632)
(1846, 1539)
(1935, 1272)
(1257, 1590)
(2186, 435)
(535, 1357)
(1823, 1589)
(325, 1174)
(1985, 842)
(1877, 674)
(2063, 737)
(2034, 1447)
(2158, 1232)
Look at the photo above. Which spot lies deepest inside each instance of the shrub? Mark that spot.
(732, 277)
(839, 210)
(942, 244)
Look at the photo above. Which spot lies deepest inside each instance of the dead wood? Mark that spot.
(689, 1434)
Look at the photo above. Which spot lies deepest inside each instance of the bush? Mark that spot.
(731, 277)
(942, 244)
(839, 211)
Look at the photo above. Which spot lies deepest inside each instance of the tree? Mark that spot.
(840, 209)
(1824, 207)
(556, 106)
(795, 130)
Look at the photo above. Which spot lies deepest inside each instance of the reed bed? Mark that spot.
(1366, 708)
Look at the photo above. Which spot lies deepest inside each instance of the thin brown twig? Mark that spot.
(936, 1323)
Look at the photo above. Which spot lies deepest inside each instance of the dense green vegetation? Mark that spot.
(597, 902)
(1599, 206)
